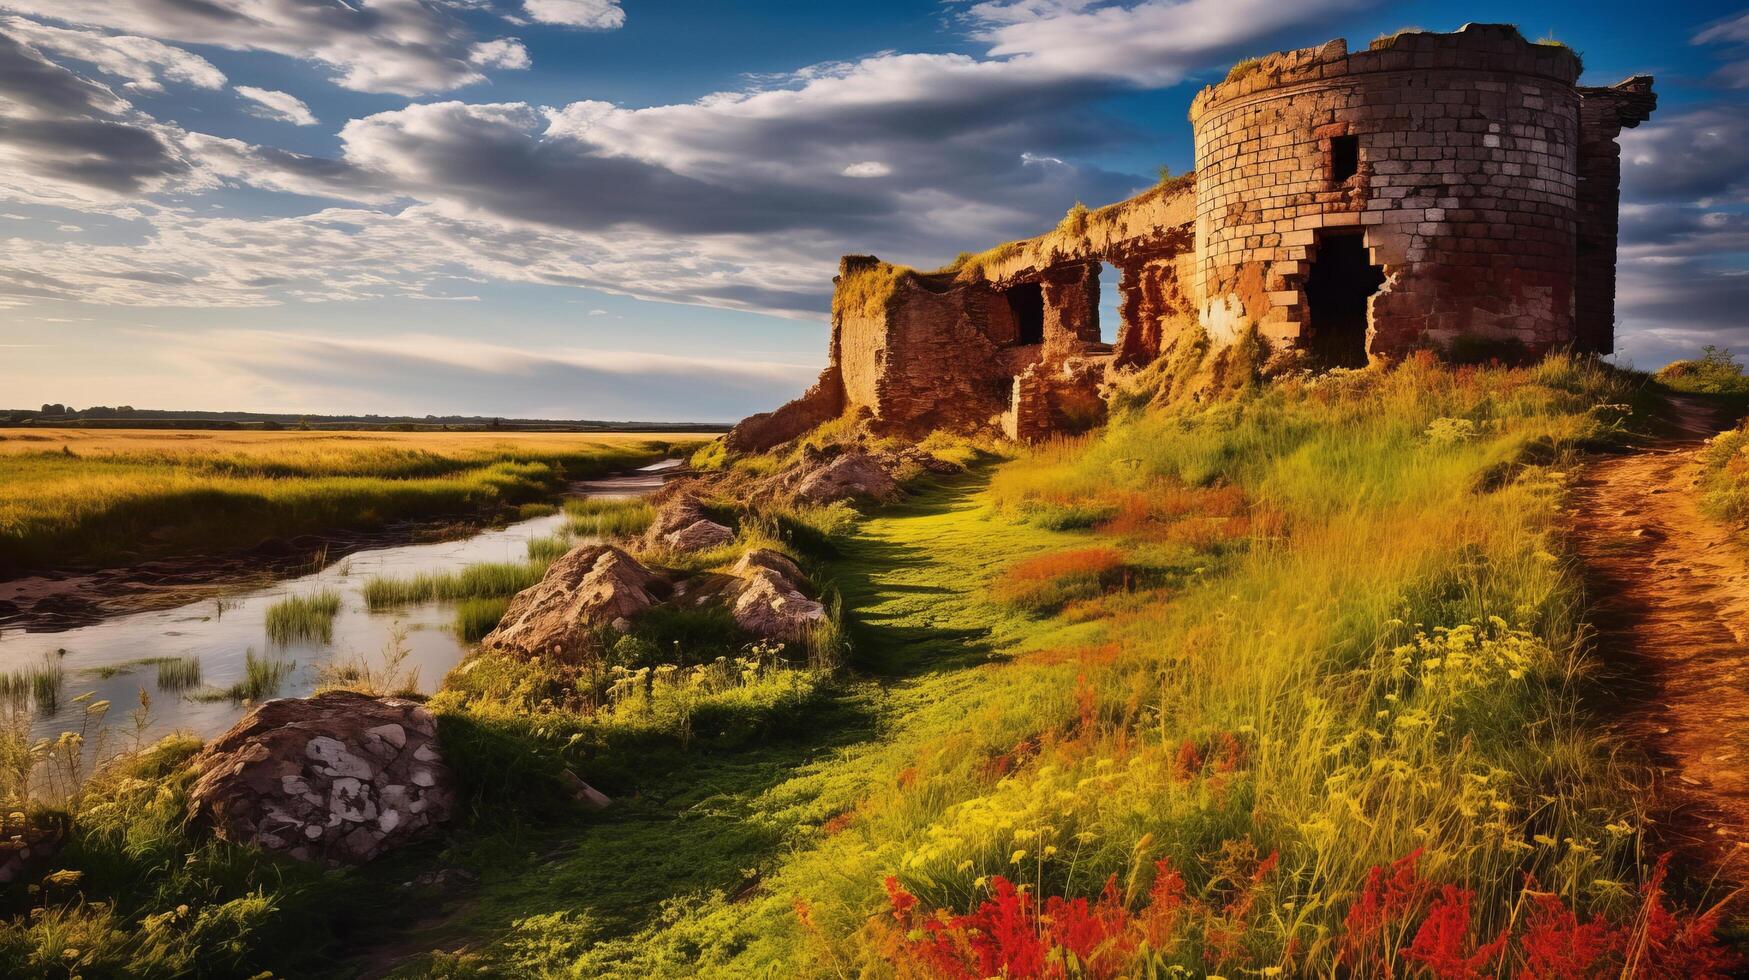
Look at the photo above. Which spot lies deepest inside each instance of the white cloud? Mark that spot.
(867, 168)
(143, 63)
(600, 15)
(404, 47)
(500, 53)
(277, 106)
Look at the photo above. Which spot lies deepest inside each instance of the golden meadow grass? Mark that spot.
(1345, 632)
(69, 497)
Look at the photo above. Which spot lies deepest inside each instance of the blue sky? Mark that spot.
(621, 209)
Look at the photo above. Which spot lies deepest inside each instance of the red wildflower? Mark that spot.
(1442, 943)
(1188, 763)
(901, 900)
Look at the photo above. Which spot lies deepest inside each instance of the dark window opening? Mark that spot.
(1341, 282)
(1027, 302)
(1344, 158)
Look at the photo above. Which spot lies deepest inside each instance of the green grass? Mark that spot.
(304, 618)
(39, 686)
(604, 518)
(178, 673)
(124, 496)
(548, 550)
(489, 580)
(1348, 633)
(1716, 372)
(474, 618)
(262, 677)
(1366, 632)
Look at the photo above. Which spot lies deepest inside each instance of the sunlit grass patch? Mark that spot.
(608, 518)
(1048, 582)
(488, 580)
(550, 549)
(303, 618)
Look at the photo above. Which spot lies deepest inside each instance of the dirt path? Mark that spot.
(1671, 592)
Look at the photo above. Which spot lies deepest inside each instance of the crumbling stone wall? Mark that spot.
(1603, 114)
(1454, 189)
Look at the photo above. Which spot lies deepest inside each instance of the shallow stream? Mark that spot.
(115, 659)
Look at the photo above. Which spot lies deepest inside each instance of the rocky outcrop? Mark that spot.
(771, 603)
(698, 536)
(849, 476)
(682, 524)
(340, 777)
(591, 587)
(770, 560)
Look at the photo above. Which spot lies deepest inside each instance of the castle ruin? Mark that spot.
(1455, 192)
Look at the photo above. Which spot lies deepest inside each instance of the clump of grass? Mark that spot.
(1074, 222)
(303, 618)
(262, 678)
(609, 518)
(474, 618)
(178, 673)
(39, 686)
(549, 549)
(1716, 372)
(488, 580)
(1244, 69)
(533, 510)
(866, 290)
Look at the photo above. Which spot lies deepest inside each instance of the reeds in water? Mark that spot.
(309, 617)
(491, 580)
(39, 686)
(178, 673)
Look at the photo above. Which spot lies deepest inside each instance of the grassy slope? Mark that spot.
(109, 498)
(1379, 656)
(1343, 633)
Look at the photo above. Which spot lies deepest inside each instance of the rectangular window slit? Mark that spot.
(1344, 158)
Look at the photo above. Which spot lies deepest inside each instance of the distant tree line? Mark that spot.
(127, 416)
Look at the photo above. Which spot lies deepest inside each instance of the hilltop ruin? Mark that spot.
(1456, 192)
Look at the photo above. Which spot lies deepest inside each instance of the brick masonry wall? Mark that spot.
(1603, 113)
(1465, 193)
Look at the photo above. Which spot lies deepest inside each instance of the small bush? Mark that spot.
(1716, 372)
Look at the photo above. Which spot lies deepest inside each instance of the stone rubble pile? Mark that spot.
(340, 777)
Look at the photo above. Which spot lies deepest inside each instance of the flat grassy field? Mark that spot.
(75, 497)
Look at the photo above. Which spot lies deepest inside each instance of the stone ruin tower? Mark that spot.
(1435, 190)
(1453, 192)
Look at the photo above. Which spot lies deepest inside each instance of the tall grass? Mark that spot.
(489, 580)
(178, 673)
(550, 549)
(474, 618)
(262, 678)
(303, 618)
(38, 686)
(1358, 645)
(608, 518)
(120, 495)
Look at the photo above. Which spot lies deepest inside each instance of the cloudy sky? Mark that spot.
(633, 208)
